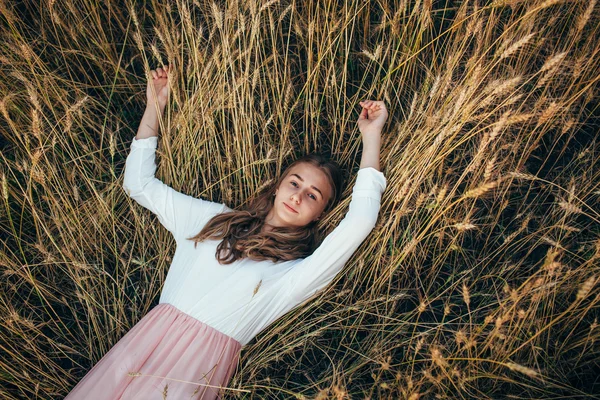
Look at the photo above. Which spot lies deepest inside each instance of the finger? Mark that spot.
(363, 114)
(154, 74)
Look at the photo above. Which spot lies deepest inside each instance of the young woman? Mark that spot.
(233, 272)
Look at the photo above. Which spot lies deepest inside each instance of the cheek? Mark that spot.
(322, 210)
(317, 209)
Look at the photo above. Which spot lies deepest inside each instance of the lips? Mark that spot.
(290, 208)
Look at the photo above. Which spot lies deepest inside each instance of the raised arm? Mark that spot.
(181, 214)
(315, 272)
(157, 93)
(370, 123)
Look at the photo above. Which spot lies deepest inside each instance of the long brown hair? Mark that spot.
(241, 229)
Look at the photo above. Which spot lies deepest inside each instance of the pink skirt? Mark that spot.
(166, 353)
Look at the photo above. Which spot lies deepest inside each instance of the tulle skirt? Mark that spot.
(166, 355)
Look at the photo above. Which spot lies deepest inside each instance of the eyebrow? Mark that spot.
(314, 187)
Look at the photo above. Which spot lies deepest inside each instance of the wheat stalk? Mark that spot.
(584, 18)
(442, 194)
(522, 369)
(4, 187)
(515, 119)
(522, 175)
(465, 294)
(438, 357)
(464, 226)
(481, 189)
(548, 3)
(516, 46)
(585, 289)
(550, 66)
(499, 125)
(570, 208)
(489, 168)
(548, 112)
(36, 125)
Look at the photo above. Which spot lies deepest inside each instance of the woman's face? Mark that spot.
(301, 197)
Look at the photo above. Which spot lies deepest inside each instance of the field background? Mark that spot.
(481, 278)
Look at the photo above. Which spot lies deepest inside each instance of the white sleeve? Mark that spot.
(181, 214)
(316, 271)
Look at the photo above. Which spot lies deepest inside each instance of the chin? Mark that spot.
(289, 222)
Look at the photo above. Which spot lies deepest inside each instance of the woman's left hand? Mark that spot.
(158, 87)
(372, 118)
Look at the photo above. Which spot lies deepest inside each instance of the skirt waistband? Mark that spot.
(193, 319)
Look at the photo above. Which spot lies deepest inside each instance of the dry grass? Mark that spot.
(481, 278)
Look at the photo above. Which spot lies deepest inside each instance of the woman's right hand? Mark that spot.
(160, 84)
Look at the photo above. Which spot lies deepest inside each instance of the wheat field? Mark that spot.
(481, 278)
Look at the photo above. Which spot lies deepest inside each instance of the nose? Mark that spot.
(295, 197)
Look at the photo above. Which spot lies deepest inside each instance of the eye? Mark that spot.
(312, 196)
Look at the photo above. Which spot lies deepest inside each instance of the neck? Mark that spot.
(266, 228)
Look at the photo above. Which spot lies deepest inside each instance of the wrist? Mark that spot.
(154, 108)
(371, 132)
(371, 140)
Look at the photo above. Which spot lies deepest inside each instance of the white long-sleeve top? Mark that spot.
(223, 296)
